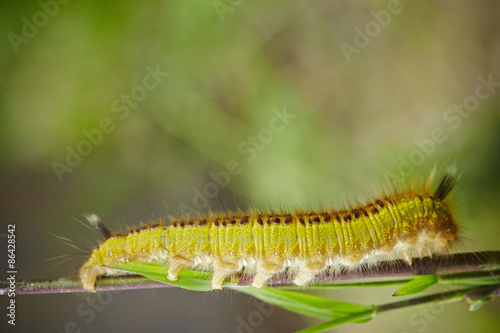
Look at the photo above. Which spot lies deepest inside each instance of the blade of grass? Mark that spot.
(303, 303)
(187, 279)
(362, 316)
(416, 285)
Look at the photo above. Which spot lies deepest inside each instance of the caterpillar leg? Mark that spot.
(221, 271)
(265, 272)
(89, 273)
(176, 264)
(408, 257)
(308, 272)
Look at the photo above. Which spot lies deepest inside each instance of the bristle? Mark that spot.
(96, 222)
(447, 183)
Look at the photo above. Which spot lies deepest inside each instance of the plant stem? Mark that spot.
(476, 264)
(446, 297)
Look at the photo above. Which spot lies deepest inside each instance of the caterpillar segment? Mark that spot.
(304, 244)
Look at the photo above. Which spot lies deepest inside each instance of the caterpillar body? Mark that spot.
(400, 224)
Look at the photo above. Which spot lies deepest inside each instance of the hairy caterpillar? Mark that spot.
(402, 223)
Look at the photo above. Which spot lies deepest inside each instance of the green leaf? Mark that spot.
(192, 280)
(304, 303)
(360, 317)
(477, 303)
(416, 285)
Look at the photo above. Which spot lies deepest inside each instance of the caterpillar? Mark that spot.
(303, 243)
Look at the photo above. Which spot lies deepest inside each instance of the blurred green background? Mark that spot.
(364, 81)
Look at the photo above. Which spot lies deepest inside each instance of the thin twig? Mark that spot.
(472, 263)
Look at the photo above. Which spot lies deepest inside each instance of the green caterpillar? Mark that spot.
(399, 224)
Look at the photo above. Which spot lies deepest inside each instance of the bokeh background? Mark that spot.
(360, 104)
